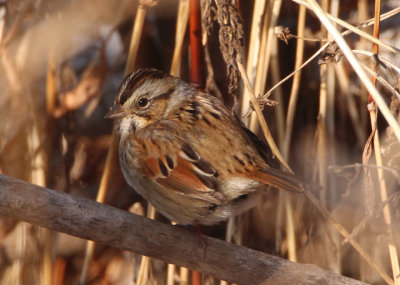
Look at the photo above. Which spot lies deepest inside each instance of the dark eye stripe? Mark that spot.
(135, 80)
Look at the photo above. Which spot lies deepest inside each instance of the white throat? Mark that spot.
(130, 124)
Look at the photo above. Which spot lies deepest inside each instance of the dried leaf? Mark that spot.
(368, 145)
(283, 33)
(332, 54)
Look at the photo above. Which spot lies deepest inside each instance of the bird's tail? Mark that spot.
(279, 179)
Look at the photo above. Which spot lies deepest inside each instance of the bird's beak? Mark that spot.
(116, 111)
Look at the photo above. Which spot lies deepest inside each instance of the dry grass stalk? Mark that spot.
(10, 73)
(38, 155)
(284, 198)
(47, 267)
(357, 30)
(135, 38)
(253, 54)
(51, 84)
(386, 209)
(264, 127)
(363, 14)
(263, 123)
(183, 276)
(295, 84)
(357, 68)
(343, 232)
(101, 194)
(321, 132)
(144, 267)
(3, 13)
(344, 85)
(111, 155)
(331, 83)
(388, 64)
(265, 56)
(346, 235)
(378, 158)
(14, 272)
(38, 177)
(290, 227)
(363, 9)
(279, 109)
(315, 55)
(260, 14)
(392, 89)
(322, 49)
(180, 31)
(285, 143)
(181, 25)
(260, 79)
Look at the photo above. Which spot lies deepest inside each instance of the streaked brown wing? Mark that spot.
(176, 165)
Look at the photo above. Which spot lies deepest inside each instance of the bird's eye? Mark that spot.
(143, 102)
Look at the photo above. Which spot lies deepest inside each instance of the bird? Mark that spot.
(187, 154)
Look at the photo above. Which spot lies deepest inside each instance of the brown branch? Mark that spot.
(102, 223)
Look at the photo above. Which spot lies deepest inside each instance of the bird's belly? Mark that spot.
(173, 205)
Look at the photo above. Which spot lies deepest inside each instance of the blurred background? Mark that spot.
(61, 63)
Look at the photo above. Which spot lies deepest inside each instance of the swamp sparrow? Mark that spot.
(187, 154)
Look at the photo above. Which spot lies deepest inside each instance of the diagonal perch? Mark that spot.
(91, 220)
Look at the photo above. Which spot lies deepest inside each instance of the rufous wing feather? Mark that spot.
(178, 167)
(185, 179)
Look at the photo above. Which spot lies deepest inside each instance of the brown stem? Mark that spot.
(196, 49)
(375, 33)
(196, 277)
